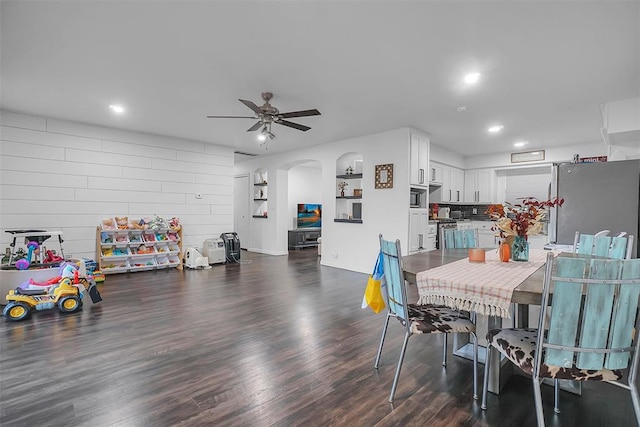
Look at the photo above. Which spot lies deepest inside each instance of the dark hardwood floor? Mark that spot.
(279, 341)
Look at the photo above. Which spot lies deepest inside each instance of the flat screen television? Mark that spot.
(309, 215)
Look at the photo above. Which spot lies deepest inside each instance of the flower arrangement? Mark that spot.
(522, 219)
(341, 186)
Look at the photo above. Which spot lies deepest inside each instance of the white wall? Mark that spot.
(344, 245)
(447, 157)
(552, 155)
(59, 175)
(304, 187)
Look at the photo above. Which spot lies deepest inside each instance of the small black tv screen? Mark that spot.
(309, 215)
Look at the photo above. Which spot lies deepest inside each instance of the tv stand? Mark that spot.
(304, 237)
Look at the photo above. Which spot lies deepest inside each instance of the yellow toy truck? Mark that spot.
(65, 295)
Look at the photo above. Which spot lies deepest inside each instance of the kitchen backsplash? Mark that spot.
(474, 212)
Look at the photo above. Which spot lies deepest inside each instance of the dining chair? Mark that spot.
(619, 247)
(459, 239)
(592, 332)
(418, 319)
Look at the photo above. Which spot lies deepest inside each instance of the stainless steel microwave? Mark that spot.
(415, 198)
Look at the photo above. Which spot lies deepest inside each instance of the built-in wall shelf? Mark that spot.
(260, 193)
(349, 188)
(350, 176)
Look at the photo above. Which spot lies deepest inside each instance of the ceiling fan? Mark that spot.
(267, 114)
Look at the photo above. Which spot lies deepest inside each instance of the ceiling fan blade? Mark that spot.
(230, 117)
(251, 105)
(255, 127)
(293, 125)
(303, 113)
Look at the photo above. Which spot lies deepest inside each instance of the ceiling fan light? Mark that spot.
(262, 137)
(472, 78)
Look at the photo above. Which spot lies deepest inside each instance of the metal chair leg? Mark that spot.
(475, 365)
(444, 351)
(635, 399)
(556, 396)
(384, 333)
(485, 381)
(537, 395)
(395, 379)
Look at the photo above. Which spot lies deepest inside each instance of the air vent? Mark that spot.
(244, 154)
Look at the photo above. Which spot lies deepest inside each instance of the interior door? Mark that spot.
(241, 208)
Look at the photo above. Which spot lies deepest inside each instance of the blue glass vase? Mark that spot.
(520, 249)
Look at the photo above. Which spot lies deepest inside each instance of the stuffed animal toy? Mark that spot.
(174, 224)
(158, 223)
(136, 224)
(122, 222)
(144, 222)
(108, 224)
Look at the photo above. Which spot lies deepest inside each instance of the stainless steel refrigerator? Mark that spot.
(597, 196)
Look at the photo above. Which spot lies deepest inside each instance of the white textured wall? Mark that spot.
(305, 187)
(59, 175)
(344, 245)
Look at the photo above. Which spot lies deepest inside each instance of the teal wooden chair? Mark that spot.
(619, 247)
(459, 239)
(593, 328)
(418, 319)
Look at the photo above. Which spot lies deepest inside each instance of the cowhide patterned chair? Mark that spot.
(593, 328)
(418, 319)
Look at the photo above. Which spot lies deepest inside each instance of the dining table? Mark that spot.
(494, 290)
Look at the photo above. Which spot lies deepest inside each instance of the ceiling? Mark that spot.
(368, 66)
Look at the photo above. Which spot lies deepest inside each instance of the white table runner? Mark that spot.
(485, 288)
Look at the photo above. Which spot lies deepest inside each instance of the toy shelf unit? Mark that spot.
(349, 188)
(260, 193)
(33, 249)
(131, 250)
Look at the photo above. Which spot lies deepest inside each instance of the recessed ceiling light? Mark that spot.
(496, 128)
(461, 108)
(520, 143)
(116, 108)
(472, 78)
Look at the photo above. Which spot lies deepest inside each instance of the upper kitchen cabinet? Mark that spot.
(436, 171)
(478, 185)
(451, 180)
(419, 160)
(457, 185)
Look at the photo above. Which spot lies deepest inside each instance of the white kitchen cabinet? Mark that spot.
(464, 225)
(452, 184)
(436, 171)
(486, 236)
(446, 184)
(457, 185)
(419, 160)
(478, 186)
(418, 230)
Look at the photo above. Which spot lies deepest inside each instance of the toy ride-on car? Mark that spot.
(65, 295)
